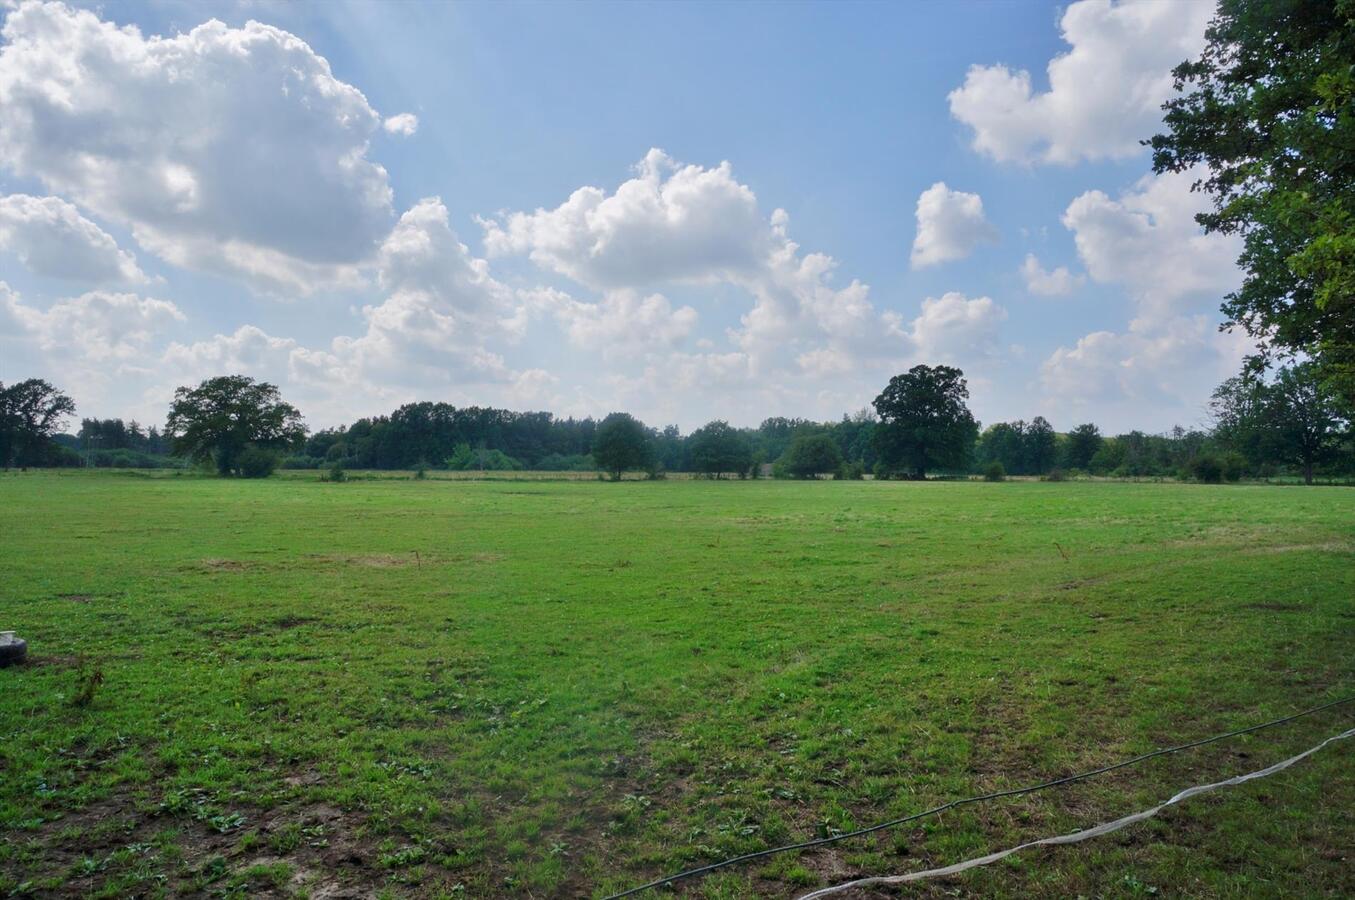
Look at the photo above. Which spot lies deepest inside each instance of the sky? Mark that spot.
(684, 211)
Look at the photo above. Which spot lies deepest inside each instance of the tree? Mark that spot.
(1304, 420)
(621, 443)
(1041, 444)
(1267, 117)
(717, 448)
(1083, 443)
(220, 419)
(811, 455)
(924, 421)
(30, 413)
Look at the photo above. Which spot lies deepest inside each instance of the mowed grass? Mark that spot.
(435, 688)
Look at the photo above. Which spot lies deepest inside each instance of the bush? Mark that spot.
(995, 472)
(336, 472)
(256, 462)
(852, 471)
(1055, 474)
(1207, 469)
(1234, 467)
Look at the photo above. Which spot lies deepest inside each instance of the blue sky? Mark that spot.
(281, 221)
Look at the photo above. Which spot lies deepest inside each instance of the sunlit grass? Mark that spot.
(559, 689)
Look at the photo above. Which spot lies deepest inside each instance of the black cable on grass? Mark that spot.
(954, 804)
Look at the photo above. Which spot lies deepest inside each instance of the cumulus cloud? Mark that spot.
(622, 323)
(956, 329)
(1168, 365)
(51, 238)
(669, 223)
(1171, 354)
(1148, 242)
(1046, 283)
(950, 224)
(227, 149)
(688, 224)
(96, 327)
(404, 124)
(1105, 93)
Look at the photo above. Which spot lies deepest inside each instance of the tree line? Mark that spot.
(919, 426)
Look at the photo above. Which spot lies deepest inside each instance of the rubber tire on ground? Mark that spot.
(12, 653)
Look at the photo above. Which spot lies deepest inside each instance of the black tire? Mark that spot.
(13, 652)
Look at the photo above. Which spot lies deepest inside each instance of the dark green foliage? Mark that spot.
(1266, 118)
(924, 421)
(622, 444)
(1081, 446)
(994, 472)
(256, 462)
(466, 459)
(811, 455)
(336, 473)
(1023, 449)
(30, 413)
(222, 418)
(1296, 419)
(717, 449)
(1207, 468)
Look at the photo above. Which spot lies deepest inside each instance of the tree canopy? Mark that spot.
(1266, 116)
(30, 413)
(925, 423)
(716, 449)
(224, 419)
(812, 455)
(622, 444)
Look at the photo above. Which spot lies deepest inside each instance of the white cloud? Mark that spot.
(669, 223)
(1169, 367)
(226, 149)
(404, 124)
(686, 224)
(622, 323)
(1056, 283)
(96, 327)
(1105, 93)
(51, 238)
(950, 224)
(956, 329)
(1148, 242)
(1171, 355)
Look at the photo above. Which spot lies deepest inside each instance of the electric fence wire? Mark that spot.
(980, 798)
(1076, 836)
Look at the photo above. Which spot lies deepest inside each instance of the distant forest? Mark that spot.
(440, 436)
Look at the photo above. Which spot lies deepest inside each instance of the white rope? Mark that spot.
(1097, 831)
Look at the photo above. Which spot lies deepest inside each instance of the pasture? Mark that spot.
(436, 688)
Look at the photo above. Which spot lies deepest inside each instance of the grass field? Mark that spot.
(437, 688)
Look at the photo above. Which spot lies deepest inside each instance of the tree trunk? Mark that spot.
(1307, 473)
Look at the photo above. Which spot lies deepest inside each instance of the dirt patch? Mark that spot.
(224, 565)
(305, 847)
(76, 598)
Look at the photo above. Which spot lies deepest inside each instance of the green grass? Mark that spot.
(440, 688)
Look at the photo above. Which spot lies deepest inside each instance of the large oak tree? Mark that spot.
(229, 419)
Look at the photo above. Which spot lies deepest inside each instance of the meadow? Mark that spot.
(438, 688)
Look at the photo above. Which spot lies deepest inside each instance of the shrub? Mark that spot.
(336, 472)
(995, 472)
(1234, 467)
(1055, 474)
(1207, 468)
(852, 471)
(256, 462)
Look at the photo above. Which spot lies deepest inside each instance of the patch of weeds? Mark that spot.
(87, 685)
(405, 856)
